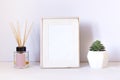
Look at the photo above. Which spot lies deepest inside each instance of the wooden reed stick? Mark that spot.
(26, 36)
(18, 34)
(24, 33)
(15, 33)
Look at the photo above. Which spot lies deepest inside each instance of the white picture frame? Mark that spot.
(59, 43)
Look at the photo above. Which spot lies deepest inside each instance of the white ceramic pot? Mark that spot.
(98, 59)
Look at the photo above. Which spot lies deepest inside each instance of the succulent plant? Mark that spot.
(97, 46)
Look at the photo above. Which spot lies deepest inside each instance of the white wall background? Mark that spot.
(99, 19)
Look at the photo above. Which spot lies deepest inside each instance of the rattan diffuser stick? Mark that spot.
(17, 34)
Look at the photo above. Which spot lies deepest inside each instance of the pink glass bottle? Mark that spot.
(21, 58)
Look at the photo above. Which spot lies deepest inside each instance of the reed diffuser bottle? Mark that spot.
(21, 56)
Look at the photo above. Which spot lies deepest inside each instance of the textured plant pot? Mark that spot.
(98, 59)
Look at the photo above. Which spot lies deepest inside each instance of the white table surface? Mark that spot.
(34, 72)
